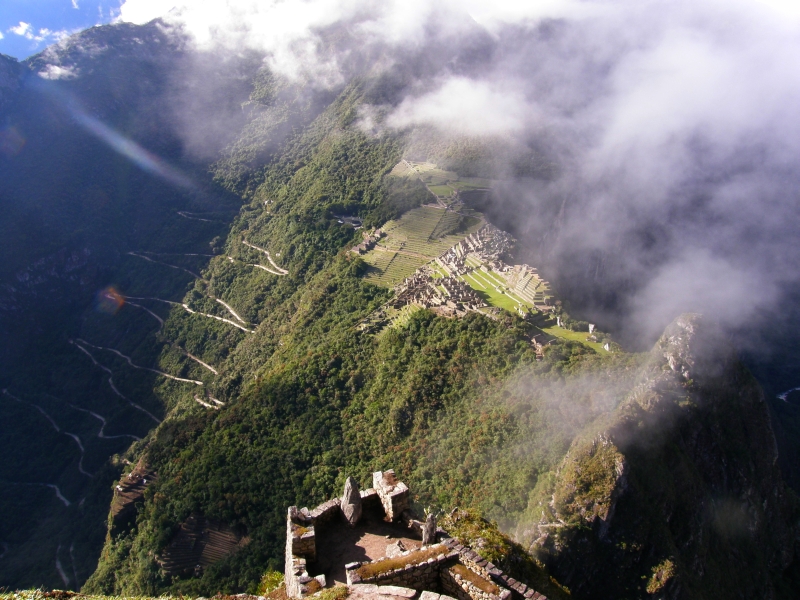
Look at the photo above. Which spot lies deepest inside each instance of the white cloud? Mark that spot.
(75, 4)
(143, 11)
(58, 72)
(23, 29)
(466, 106)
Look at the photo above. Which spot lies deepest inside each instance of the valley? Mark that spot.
(321, 301)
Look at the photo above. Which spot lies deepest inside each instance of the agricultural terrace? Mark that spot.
(575, 336)
(442, 184)
(414, 239)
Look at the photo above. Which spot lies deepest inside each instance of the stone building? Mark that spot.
(371, 541)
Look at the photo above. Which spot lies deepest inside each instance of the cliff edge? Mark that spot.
(677, 494)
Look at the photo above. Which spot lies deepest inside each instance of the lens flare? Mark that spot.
(145, 160)
(108, 301)
(11, 141)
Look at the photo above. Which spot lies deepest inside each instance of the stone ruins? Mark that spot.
(348, 540)
(370, 239)
(479, 252)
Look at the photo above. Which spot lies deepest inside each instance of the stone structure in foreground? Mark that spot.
(436, 567)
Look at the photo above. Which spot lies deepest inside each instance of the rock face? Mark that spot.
(351, 502)
(429, 531)
(10, 73)
(677, 494)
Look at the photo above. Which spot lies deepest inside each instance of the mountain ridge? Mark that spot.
(466, 409)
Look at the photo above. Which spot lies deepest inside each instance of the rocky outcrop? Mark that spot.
(10, 73)
(677, 494)
(351, 502)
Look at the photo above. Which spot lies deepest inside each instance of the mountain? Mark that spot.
(184, 346)
(677, 493)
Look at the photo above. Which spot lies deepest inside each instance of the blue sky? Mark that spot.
(29, 26)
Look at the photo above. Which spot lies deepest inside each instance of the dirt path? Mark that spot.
(59, 495)
(197, 360)
(135, 366)
(158, 262)
(785, 395)
(269, 258)
(111, 383)
(72, 559)
(154, 315)
(100, 434)
(194, 312)
(230, 310)
(186, 215)
(74, 437)
(204, 403)
(60, 569)
(187, 354)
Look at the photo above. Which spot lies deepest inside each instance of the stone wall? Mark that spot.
(394, 494)
(437, 573)
(472, 560)
(463, 589)
(420, 576)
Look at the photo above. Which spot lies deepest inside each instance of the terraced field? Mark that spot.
(416, 238)
(575, 336)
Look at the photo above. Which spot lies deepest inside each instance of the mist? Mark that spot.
(646, 151)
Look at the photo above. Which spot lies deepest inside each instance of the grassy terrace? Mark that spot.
(489, 295)
(575, 336)
(417, 557)
(420, 235)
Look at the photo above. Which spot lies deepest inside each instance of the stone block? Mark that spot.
(364, 588)
(426, 595)
(394, 590)
(351, 502)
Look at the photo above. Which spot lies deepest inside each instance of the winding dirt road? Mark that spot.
(60, 569)
(135, 366)
(159, 262)
(100, 434)
(74, 437)
(194, 312)
(111, 382)
(185, 215)
(269, 258)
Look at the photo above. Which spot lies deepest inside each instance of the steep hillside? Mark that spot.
(677, 494)
(182, 357)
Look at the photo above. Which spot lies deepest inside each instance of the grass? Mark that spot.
(479, 582)
(417, 557)
(403, 316)
(485, 287)
(424, 231)
(441, 190)
(575, 336)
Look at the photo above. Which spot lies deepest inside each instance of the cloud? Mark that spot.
(58, 72)
(462, 105)
(75, 4)
(23, 29)
(27, 31)
(670, 128)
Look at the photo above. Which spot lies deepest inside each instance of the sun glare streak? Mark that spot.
(144, 159)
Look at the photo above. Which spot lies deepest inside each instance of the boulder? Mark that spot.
(429, 531)
(351, 502)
